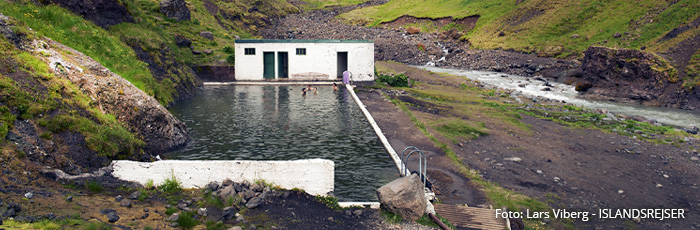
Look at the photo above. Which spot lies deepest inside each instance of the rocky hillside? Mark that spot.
(155, 45)
(669, 31)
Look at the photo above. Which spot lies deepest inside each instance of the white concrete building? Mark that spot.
(304, 59)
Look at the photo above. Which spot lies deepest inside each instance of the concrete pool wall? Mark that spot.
(315, 176)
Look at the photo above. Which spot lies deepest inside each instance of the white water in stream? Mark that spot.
(563, 92)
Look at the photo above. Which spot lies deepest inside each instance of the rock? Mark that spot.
(207, 51)
(659, 186)
(502, 33)
(182, 206)
(252, 227)
(692, 129)
(575, 36)
(118, 198)
(212, 186)
(348, 212)
(254, 202)
(255, 187)
(522, 85)
(248, 194)
(556, 179)
(611, 116)
(330, 219)
(357, 213)
(694, 158)
(413, 30)
(175, 9)
(617, 35)
(9, 213)
(236, 228)
(69, 199)
(226, 192)
(145, 210)
(144, 216)
(202, 211)
(125, 203)
(111, 215)
(134, 195)
(174, 217)
(207, 35)
(182, 41)
(241, 219)
(539, 172)
(228, 213)
(513, 159)
(620, 191)
(29, 195)
(196, 52)
(227, 182)
(403, 196)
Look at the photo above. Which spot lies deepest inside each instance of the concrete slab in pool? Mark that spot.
(264, 122)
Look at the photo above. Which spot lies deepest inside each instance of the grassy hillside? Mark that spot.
(551, 28)
(153, 36)
(57, 112)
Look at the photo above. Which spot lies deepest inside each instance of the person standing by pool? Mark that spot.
(346, 76)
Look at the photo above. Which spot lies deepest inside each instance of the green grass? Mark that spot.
(329, 201)
(457, 130)
(187, 220)
(427, 221)
(692, 70)
(547, 26)
(94, 186)
(171, 185)
(391, 217)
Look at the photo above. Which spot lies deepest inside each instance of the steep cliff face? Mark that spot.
(634, 76)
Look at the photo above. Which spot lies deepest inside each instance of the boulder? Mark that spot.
(404, 196)
(254, 202)
(182, 41)
(207, 35)
(413, 30)
(226, 192)
(175, 9)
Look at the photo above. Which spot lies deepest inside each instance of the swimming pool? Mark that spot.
(264, 122)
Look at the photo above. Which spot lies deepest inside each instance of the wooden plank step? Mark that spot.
(470, 217)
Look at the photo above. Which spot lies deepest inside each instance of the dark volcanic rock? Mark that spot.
(175, 9)
(633, 76)
(103, 13)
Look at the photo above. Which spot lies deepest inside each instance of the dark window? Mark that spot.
(249, 51)
(301, 51)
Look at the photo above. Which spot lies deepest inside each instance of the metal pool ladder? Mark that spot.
(422, 168)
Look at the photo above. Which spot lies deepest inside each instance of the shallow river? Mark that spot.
(278, 123)
(563, 92)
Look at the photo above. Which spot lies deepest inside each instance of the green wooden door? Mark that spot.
(269, 65)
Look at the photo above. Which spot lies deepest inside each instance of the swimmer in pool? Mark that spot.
(335, 87)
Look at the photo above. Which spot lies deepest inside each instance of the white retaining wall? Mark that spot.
(315, 176)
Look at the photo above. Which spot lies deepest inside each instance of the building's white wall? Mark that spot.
(320, 58)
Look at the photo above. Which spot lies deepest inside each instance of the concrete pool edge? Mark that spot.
(315, 176)
(377, 130)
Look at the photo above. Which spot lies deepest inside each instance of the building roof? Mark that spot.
(301, 41)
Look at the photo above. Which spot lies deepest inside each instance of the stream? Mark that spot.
(562, 92)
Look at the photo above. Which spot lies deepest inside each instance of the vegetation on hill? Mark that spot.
(50, 111)
(552, 28)
(145, 52)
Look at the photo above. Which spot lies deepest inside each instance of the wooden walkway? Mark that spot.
(470, 218)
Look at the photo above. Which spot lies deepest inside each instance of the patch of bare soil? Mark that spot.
(464, 24)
